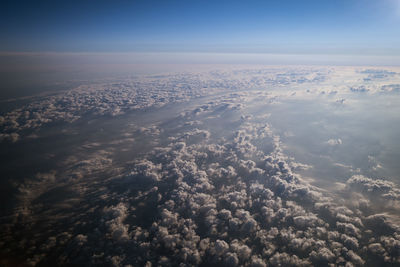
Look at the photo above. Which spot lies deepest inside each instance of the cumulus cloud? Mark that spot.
(381, 190)
(13, 137)
(390, 88)
(147, 169)
(334, 142)
(360, 89)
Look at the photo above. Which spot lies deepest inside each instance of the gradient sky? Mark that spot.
(281, 26)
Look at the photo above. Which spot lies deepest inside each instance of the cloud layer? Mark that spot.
(209, 184)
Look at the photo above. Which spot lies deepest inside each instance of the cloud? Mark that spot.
(147, 169)
(360, 89)
(334, 142)
(377, 189)
(390, 88)
(196, 196)
(13, 137)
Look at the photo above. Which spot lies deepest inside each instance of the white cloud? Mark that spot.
(334, 142)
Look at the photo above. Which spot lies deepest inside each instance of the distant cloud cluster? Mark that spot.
(118, 97)
(377, 189)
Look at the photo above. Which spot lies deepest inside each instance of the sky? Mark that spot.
(286, 26)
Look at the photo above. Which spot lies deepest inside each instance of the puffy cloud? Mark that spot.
(390, 88)
(81, 239)
(221, 247)
(348, 228)
(231, 259)
(334, 142)
(305, 221)
(284, 259)
(147, 169)
(376, 248)
(360, 89)
(322, 256)
(380, 190)
(356, 259)
(13, 137)
(257, 262)
(115, 216)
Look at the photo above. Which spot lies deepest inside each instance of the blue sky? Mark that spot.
(281, 26)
